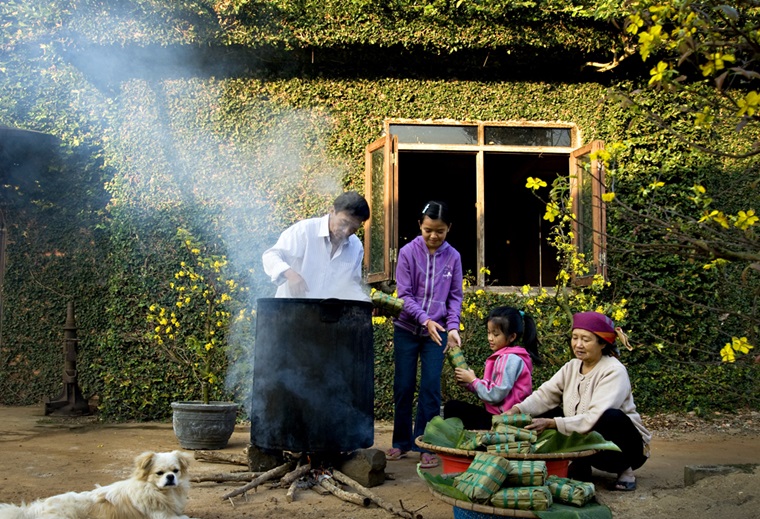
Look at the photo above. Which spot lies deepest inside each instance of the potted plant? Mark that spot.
(192, 332)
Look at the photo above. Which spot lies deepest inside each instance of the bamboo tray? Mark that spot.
(512, 456)
(482, 509)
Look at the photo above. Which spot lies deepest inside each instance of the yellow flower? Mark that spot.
(535, 183)
(740, 344)
(658, 73)
(648, 40)
(746, 220)
(552, 211)
(634, 23)
(748, 104)
(727, 353)
(716, 62)
(608, 197)
(717, 216)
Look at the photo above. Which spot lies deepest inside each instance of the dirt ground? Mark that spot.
(42, 456)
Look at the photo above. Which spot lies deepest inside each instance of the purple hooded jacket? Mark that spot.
(430, 285)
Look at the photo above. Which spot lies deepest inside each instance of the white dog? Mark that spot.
(158, 489)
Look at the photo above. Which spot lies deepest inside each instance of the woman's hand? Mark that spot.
(433, 329)
(541, 424)
(464, 376)
(454, 339)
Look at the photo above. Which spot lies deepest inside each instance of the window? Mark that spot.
(587, 187)
(480, 170)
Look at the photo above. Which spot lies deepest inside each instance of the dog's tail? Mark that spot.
(13, 512)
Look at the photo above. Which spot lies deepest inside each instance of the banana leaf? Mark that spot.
(448, 433)
(592, 510)
(442, 485)
(552, 440)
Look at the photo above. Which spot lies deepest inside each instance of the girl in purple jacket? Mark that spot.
(429, 280)
(508, 374)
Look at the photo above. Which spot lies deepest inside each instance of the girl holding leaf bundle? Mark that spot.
(429, 280)
(508, 373)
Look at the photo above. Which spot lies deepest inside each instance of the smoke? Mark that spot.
(191, 133)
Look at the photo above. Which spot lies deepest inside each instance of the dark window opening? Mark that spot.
(450, 178)
(516, 249)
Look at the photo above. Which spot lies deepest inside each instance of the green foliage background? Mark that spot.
(236, 118)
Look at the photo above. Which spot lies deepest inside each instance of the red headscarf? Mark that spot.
(602, 326)
(596, 323)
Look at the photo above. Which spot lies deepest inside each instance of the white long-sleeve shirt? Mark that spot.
(586, 397)
(305, 247)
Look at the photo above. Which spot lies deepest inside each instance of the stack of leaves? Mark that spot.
(523, 498)
(570, 491)
(483, 477)
(506, 438)
(522, 484)
(526, 473)
(536, 498)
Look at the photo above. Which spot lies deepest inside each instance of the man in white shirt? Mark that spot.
(321, 257)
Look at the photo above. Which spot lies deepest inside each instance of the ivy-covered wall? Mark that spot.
(190, 114)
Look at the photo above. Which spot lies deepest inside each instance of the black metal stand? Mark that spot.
(70, 402)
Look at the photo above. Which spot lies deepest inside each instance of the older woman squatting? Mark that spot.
(594, 392)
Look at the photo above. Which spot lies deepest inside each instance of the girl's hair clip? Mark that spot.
(427, 206)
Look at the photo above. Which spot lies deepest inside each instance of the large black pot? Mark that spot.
(313, 375)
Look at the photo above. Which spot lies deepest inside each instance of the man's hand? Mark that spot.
(296, 284)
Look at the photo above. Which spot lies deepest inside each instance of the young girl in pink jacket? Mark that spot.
(508, 374)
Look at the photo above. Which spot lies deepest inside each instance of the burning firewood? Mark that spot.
(266, 476)
(379, 501)
(294, 475)
(351, 497)
(223, 477)
(290, 495)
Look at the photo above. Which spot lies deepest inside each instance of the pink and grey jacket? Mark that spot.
(430, 285)
(507, 379)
